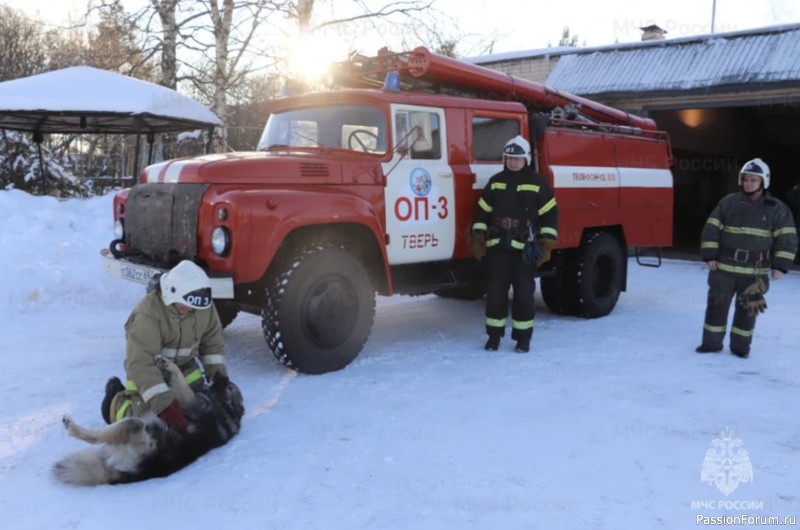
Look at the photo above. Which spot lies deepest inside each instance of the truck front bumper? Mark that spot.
(221, 287)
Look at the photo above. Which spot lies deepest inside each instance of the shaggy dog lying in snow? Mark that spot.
(136, 449)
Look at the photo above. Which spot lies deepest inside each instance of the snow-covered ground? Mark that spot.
(606, 424)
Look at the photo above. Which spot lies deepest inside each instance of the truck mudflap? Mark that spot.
(221, 287)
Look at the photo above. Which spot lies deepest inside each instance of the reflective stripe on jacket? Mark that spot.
(518, 196)
(745, 235)
(157, 329)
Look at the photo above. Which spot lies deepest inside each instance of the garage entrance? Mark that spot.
(711, 144)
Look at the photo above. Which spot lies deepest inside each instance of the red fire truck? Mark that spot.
(369, 187)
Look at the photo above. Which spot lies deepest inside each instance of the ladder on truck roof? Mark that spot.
(421, 70)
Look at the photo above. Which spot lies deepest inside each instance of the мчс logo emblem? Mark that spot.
(726, 465)
(420, 181)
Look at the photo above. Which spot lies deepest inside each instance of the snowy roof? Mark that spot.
(770, 57)
(764, 55)
(83, 99)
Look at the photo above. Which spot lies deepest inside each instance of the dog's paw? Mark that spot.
(69, 425)
(162, 362)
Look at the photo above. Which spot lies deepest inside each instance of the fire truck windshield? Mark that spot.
(354, 127)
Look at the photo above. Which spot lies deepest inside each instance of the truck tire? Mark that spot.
(319, 310)
(227, 312)
(599, 275)
(559, 291)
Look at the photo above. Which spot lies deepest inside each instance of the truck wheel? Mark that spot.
(319, 310)
(227, 311)
(599, 276)
(559, 291)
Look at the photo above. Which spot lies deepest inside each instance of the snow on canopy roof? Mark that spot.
(717, 61)
(82, 99)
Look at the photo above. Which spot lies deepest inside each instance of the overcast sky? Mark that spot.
(537, 23)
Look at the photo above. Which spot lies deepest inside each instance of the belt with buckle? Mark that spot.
(742, 255)
(506, 222)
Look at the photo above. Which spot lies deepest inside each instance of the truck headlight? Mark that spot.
(119, 229)
(220, 241)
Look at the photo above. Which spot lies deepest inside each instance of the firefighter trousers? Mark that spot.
(722, 287)
(505, 270)
(129, 403)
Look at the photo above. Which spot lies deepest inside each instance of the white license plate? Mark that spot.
(137, 274)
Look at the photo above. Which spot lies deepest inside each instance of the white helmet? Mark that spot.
(186, 284)
(758, 168)
(518, 147)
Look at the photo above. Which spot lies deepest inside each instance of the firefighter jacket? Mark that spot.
(509, 201)
(155, 328)
(750, 237)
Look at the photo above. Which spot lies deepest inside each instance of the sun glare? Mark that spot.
(313, 55)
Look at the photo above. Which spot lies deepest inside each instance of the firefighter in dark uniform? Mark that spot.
(749, 238)
(517, 205)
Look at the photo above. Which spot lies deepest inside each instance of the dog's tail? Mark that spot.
(85, 468)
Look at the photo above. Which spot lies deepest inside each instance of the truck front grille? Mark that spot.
(161, 221)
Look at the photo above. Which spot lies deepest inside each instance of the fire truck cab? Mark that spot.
(371, 186)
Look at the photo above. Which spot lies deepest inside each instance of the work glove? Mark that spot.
(173, 416)
(219, 380)
(478, 245)
(213, 370)
(547, 250)
(752, 298)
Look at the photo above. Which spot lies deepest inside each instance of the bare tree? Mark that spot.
(23, 43)
(431, 31)
(349, 14)
(248, 110)
(167, 11)
(213, 44)
(157, 23)
(224, 35)
(202, 42)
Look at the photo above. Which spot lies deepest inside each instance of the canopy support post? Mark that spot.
(38, 137)
(136, 158)
(151, 138)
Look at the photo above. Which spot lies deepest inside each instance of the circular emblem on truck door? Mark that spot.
(420, 181)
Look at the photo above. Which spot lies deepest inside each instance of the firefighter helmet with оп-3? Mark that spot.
(758, 168)
(518, 147)
(186, 284)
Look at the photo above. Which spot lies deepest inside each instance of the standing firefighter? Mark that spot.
(177, 320)
(747, 235)
(516, 226)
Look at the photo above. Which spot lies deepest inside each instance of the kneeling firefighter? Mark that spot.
(516, 227)
(176, 319)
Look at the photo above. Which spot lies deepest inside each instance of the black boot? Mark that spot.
(740, 352)
(705, 348)
(113, 387)
(523, 346)
(493, 343)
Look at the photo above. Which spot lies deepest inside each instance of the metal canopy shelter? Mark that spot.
(86, 100)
